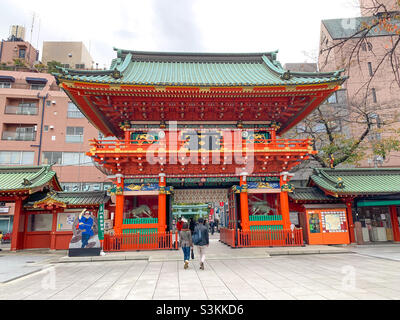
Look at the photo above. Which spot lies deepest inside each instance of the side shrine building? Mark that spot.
(201, 127)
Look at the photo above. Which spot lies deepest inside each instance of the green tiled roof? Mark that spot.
(25, 178)
(367, 181)
(351, 27)
(197, 69)
(309, 194)
(70, 198)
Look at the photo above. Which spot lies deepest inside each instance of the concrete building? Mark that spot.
(375, 89)
(15, 47)
(40, 125)
(72, 55)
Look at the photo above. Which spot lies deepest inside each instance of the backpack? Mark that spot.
(196, 236)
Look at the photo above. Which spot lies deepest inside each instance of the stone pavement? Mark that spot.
(216, 251)
(296, 277)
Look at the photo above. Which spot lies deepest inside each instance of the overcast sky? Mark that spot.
(290, 26)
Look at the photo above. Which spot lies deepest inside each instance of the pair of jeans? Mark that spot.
(186, 253)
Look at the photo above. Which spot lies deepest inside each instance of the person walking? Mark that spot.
(212, 227)
(205, 222)
(185, 240)
(192, 225)
(179, 226)
(201, 241)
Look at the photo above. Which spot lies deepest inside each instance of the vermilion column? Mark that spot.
(127, 136)
(119, 205)
(284, 202)
(350, 222)
(17, 216)
(162, 204)
(273, 134)
(244, 204)
(53, 231)
(395, 223)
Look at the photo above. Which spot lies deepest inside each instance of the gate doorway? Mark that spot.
(210, 204)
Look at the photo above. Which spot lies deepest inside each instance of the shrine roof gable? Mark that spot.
(197, 69)
(27, 178)
(357, 181)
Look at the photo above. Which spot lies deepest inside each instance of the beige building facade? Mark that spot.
(72, 55)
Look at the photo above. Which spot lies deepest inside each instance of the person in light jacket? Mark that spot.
(203, 243)
(185, 240)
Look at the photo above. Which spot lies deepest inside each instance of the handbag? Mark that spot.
(192, 253)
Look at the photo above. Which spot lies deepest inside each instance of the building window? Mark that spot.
(371, 73)
(65, 66)
(74, 135)
(90, 186)
(80, 66)
(74, 112)
(48, 103)
(22, 53)
(37, 86)
(374, 99)
(52, 158)
(332, 99)
(5, 85)
(46, 128)
(17, 157)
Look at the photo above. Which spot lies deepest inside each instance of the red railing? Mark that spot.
(227, 236)
(262, 238)
(270, 238)
(259, 144)
(128, 242)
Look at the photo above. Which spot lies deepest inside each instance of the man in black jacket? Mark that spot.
(201, 233)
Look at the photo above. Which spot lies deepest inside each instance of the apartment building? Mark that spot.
(40, 125)
(371, 83)
(15, 47)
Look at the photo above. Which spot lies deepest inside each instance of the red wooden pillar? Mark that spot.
(395, 223)
(284, 201)
(244, 204)
(53, 231)
(127, 136)
(273, 134)
(119, 205)
(350, 221)
(162, 203)
(17, 216)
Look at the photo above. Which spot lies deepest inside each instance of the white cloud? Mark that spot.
(291, 26)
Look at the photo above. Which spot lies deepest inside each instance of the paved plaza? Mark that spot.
(336, 276)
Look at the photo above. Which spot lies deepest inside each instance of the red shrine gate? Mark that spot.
(194, 120)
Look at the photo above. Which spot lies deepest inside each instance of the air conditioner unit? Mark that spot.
(53, 102)
(35, 128)
(51, 127)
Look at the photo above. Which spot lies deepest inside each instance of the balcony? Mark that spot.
(18, 136)
(142, 157)
(22, 110)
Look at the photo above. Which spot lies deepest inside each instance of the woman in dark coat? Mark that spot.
(192, 225)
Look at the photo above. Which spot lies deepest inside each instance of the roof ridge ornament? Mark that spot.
(116, 74)
(286, 75)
